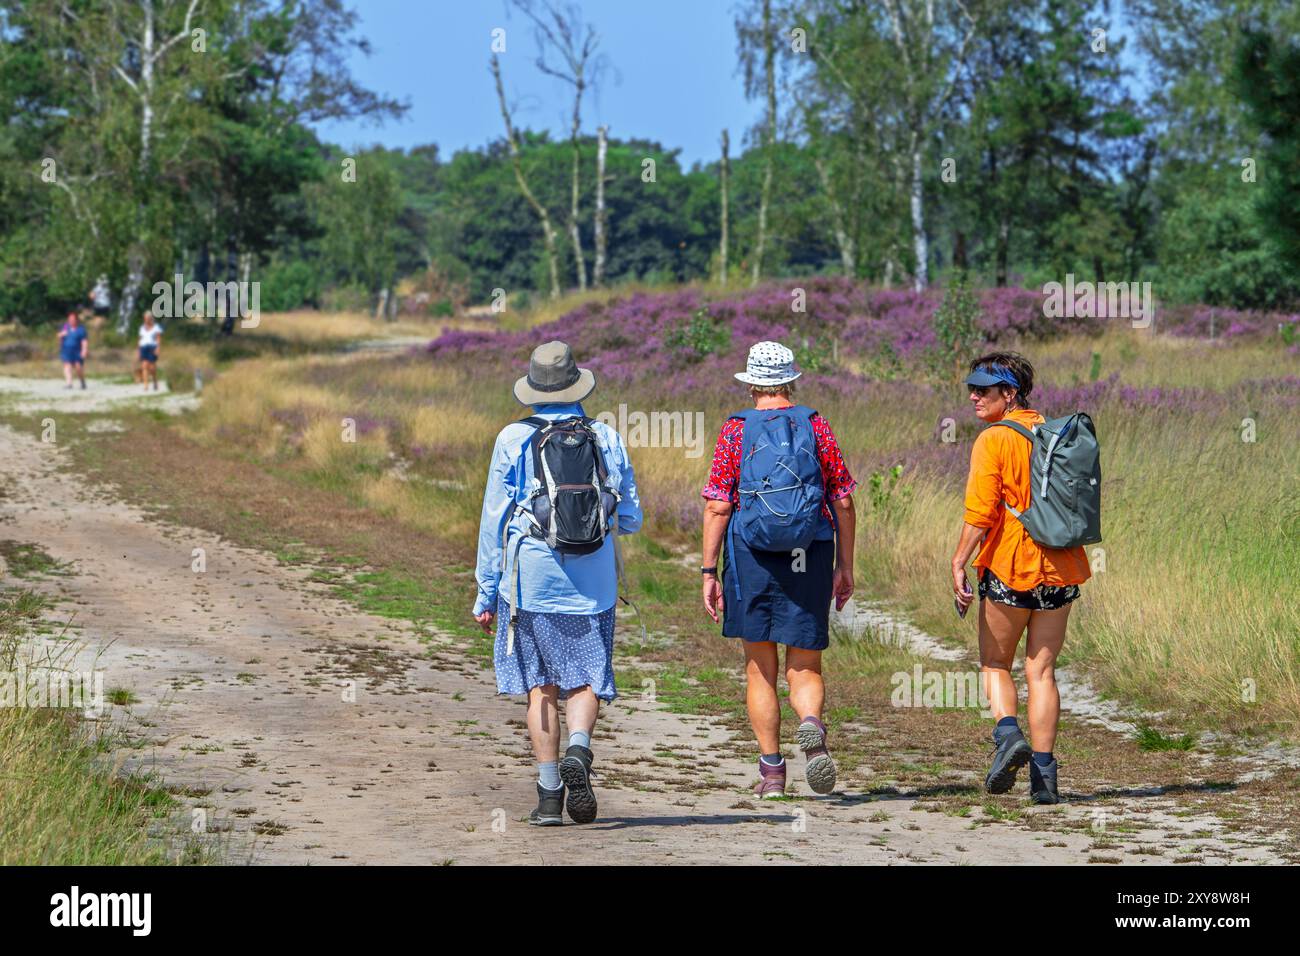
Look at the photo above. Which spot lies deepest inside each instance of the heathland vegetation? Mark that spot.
(1192, 608)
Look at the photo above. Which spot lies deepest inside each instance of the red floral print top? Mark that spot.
(724, 476)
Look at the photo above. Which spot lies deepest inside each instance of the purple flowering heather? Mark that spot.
(637, 348)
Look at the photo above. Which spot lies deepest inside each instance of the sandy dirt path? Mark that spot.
(241, 676)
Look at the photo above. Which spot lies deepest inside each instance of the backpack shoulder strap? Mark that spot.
(1016, 426)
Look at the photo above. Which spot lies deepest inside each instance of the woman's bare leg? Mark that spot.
(760, 694)
(803, 671)
(544, 722)
(1046, 635)
(581, 710)
(1000, 630)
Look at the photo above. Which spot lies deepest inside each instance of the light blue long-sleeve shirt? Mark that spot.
(549, 581)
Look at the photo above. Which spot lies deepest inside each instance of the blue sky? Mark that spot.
(673, 76)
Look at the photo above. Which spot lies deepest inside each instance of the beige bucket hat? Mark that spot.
(553, 376)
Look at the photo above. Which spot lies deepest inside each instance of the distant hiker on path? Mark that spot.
(100, 297)
(1022, 585)
(560, 490)
(150, 343)
(74, 346)
(781, 496)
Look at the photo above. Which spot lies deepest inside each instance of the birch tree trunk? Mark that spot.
(1004, 242)
(579, 262)
(920, 245)
(769, 138)
(548, 231)
(847, 247)
(150, 52)
(920, 47)
(724, 173)
(599, 222)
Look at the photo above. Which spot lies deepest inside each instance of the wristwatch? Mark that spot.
(713, 570)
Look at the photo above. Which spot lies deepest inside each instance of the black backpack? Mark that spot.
(571, 511)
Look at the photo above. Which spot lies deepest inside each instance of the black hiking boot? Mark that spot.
(575, 771)
(1042, 783)
(550, 808)
(1011, 753)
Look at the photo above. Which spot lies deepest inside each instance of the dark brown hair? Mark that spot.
(1019, 366)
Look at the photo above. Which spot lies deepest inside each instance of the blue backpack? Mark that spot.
(781, 485)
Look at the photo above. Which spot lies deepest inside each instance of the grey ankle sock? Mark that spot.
(772, 760)
(548, 774)
(580, 738)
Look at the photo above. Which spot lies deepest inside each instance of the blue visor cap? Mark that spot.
(996, 375)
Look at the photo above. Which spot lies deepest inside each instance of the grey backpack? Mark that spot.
(1065, 482)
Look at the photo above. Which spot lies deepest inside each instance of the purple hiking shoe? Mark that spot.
(771, 781)
(820, 768)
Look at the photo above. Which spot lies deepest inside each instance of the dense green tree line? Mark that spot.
(1015, 140)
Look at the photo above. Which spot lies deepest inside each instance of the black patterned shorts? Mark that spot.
(1045, 597)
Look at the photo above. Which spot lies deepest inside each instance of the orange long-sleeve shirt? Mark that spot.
(999, 471)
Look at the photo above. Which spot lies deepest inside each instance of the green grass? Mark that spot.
(29, 560)
(1148, 738)
(59, 803)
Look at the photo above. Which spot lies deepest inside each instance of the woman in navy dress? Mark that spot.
(774, 597)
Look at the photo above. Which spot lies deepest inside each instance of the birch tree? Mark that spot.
(931, 38)
(563, 34)
(600, 221)
(846, 99)
(724, 175)
(516, 161)
(131, 70)
(751, 38)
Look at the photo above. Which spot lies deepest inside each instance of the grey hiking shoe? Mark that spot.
(550, 806)
(575, 771)
(1011, 752)
(1042, 783)
(819, 768)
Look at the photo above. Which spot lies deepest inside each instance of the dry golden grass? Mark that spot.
(309, 326)
(1158, 361)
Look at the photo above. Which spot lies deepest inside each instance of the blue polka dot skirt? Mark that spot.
(568, 650)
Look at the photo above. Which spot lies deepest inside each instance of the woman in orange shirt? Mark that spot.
(1022, 585)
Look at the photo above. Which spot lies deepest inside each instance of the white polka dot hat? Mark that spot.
(770, 363)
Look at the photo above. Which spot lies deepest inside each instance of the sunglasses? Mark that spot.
(981, 390)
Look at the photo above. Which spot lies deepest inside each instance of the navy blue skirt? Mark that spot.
(776, 602)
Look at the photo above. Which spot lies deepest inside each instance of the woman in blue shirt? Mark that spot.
(73, 348)
(554, 610)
